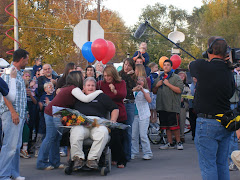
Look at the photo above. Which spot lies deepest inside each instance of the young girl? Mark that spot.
(153, 75)
(141, 119)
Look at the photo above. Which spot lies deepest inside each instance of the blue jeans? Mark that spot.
(49, 150)
(0, 133)
(12, 142)
(140, 128)
(233, 144)
(130, 107)
(212, 142)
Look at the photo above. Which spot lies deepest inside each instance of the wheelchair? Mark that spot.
(104, 164)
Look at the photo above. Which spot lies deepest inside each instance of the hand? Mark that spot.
(238, 133)
(112, 87)
(131, 72)
(159, 83)
(140, 88)
(13, 73)
(28, 92)
(15, 117)
(166, 82)
(58, 90)
(47, 101)
(54, 81)
(113, 121)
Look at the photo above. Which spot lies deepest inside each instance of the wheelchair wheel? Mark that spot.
(154, 134)
(108, 159)
(68, 170)
(104, 171)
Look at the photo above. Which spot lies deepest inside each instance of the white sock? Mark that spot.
(25, 146)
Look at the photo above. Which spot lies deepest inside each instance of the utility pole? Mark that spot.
(15, 4)
(98, 9)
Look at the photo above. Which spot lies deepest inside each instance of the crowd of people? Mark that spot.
(137, 95)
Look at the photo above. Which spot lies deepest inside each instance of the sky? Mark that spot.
(130, 10)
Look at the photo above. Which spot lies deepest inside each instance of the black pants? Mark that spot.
(192, 119)
(116, 145)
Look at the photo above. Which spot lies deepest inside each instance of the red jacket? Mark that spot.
(118, 98)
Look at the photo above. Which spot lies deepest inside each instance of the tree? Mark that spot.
(164, 19)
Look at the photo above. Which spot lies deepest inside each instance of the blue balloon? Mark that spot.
(87, 52)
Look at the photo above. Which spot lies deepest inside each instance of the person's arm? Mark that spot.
(156, 85)
(29, 93)
(40, 106)
(119, 90)
(135, 55)
(172, 87)
(146, 95)
(14, 114)
(114, 115)
(77, 93)
(12, 88)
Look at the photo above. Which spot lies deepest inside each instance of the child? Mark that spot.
(141, 119)
(26, 131)
(142, 54)
(153, 75)
(37, 66)
(45, 99)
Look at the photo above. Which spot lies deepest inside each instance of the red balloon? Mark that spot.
(110, 53)
(176, 60)
(99, 49)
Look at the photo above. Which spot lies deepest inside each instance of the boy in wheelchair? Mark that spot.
(99, 107)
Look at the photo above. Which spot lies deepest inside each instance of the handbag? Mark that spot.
(230, 119)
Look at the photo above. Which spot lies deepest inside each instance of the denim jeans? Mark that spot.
(130, 107)
(12, 142)
(233, 144)
(1, 133)
(49, 150)
(212, 142)
(140, 128)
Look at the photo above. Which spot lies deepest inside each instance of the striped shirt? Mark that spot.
(20, 102)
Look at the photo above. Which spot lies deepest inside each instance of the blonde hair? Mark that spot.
(46, 84)
(145, 85)
(141, 70)
(111, 71)
(152, 64)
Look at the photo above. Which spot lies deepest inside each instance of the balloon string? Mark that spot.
(9, 52)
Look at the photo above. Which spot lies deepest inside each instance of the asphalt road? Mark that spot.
(165, 165)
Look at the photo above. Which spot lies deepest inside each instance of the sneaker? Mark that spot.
(61, 166)
(92, 164)
(167, 146)
(78, 163)
(49, 168)
(147, 156)
(19, 178)
(232, 167)
(179, 146)
(24, 154)
(36, 153)
(133, 156)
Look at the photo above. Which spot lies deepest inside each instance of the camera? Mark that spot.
(234, 55)
(5, 71)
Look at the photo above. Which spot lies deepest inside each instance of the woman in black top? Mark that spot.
(128, 75)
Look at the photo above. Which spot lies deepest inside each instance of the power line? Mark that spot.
(66, 29)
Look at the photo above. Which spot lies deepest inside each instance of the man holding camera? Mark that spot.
(214, 89)
(13, 116)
